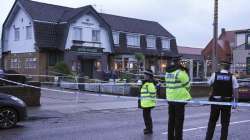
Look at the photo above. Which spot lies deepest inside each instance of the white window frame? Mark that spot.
(133, 40)
(76, 35)
(30, 63)
(14, 63)
(116, 38)
(165, 43)
(28, 32)
(151, 42)
(96, 35)
(16, 34)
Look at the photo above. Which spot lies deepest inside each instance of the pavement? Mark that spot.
(85, 116)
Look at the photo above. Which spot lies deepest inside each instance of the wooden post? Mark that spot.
(215, 37)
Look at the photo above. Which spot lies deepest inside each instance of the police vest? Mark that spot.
(148, 95)
(222, 85)
(177, 86)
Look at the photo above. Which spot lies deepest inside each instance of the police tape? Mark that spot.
(27, 85)
(77, 77)
(191, 102)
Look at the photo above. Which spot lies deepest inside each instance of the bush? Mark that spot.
(62, 68)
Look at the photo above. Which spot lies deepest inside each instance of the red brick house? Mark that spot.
(226, 42)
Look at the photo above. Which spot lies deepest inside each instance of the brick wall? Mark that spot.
(40, 65)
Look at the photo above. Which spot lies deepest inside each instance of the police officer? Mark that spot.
(177, 89)
(147, 100)
(224, 89)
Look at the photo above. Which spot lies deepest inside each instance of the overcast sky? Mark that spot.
(190, 21)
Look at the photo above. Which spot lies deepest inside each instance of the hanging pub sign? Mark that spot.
(82, 49)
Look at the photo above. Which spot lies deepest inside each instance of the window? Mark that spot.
(14, 63)
(28, 32)
(96, 36)
(151, 42)
(77, 33)
(98, 66)
(248, 39)
(116, 38)
(133, 40)
(30, 63)
(166, 44)
(17, 34)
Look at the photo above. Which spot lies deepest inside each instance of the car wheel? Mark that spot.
(8, 117)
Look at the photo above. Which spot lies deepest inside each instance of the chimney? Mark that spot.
(223, 30)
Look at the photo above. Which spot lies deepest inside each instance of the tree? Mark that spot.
(140, 59)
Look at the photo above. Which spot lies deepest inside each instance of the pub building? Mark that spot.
(36, 36)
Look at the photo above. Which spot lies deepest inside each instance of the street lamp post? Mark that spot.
(215, 37)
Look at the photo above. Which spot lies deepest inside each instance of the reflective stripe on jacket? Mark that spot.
(177, 85)
(148, 95)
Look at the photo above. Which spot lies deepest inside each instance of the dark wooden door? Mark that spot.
(88, 67)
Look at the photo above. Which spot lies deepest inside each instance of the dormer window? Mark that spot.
(165, 43)
(133, 40)
(116, 38)
(151, 42)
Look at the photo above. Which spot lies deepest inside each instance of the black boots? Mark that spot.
(148, 131)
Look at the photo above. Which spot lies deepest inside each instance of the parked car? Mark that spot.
(12, 110)
(244, 89)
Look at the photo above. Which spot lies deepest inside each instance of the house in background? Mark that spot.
(139, 36)
(36, 36)
(193, 60)
(226, 42)
(241, 52)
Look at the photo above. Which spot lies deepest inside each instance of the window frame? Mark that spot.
(28, 32)
(30, 63)
(14, 63)
(153, 39)
(16, 34)
(96, 38)
(164, 44)
(75, 34)
(116, 38)
(133, 40)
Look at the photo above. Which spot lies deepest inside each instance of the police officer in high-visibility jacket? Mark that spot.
(147, 100)
(177, 89)
(224, 89)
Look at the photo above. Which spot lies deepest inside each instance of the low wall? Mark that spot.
(196, 90)
(30, 96)
(107, 88)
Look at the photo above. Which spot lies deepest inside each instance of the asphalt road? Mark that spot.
(52, 122)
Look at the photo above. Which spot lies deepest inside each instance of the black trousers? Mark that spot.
(147, 118)
(176, 112)
(225, 112)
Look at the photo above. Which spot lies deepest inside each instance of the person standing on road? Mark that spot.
(224, 89)
(147, 100)
(177, 89)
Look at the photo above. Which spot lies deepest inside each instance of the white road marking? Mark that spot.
(204, 127)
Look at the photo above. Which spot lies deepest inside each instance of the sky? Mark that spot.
(190, 21)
